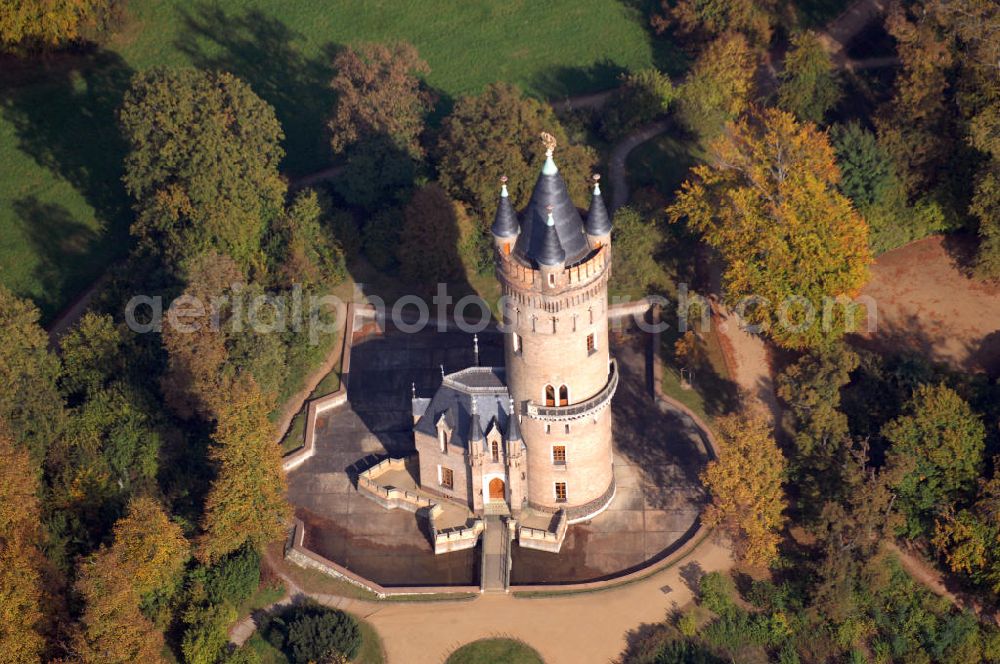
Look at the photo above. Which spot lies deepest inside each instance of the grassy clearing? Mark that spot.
(264, 597)
(64, 214)
(495, 651)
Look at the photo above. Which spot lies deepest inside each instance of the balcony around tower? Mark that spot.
(579, 410)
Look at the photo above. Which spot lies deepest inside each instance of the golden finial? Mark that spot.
(549, 141)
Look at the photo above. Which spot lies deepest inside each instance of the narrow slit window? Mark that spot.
(591, 345)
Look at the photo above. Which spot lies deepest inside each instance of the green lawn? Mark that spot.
(63, 212)
(495, 651)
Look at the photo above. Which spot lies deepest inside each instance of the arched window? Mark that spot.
(563, 396)
(443, 439)
(550, 395)
(496, 451)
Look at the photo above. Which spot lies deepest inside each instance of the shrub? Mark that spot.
(233, 579)
(716, 590)
(312, 633)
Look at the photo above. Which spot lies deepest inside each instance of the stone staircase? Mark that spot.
(496, 508)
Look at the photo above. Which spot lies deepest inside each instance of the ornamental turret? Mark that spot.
(598, 226)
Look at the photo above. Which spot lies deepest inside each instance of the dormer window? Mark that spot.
(443, 440)
(496, 451)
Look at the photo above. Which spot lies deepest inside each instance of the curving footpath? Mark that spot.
(570, 629)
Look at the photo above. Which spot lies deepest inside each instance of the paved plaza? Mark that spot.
(657, 459)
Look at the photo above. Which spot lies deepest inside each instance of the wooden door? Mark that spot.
(496, 489)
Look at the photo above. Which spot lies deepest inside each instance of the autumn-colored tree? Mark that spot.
(195, 345)
(497, 133)
(30, 403)
(969, 539)
(246, 503)
(745, 486)
(379, 93)
(809, 83)
(698, 21)
(29, 24)
(112, 629)
(793, 244)
(428, 243)
(149, 546)
(718, 87)
(914, 126)
(938, 441)
(21, 562)
(203, 165)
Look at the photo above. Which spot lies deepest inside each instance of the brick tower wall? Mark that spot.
(552, 321)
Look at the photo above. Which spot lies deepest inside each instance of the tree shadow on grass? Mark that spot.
(267, 54)
(56, 238)
(63, 111)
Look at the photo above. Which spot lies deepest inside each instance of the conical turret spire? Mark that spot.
(505, 222)
(550, 252)
(598, 221)
(475, 427)
(513, 428)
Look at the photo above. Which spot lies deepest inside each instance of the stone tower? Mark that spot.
(553, 270)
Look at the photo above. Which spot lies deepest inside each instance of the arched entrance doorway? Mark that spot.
(496, 489)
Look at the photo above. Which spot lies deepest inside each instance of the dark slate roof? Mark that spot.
(505, 223)
(453, 400)
(550, 190)
(598, 221)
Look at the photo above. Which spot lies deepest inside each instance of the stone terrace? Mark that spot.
(657, 458)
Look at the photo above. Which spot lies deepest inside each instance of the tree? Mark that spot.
(379, 93)
(985, 206)
(304, 252)
(868, 178)
(312, 633)
(793, 245)
(246, 503)
(203, 165)
(914, 125)
(28, 24)
(811, 388)
(718, 87)
(91, 353)
(196, 348)
(21, 560)
(938, 444)
(642, 96)
(636, 242)
(699, 21)
(428, 242)
(378, 173)
(809, 83)
(149, 547)
(497, 133)
(113, 629)
(969, 539)
(30, 403)
(745, 485)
